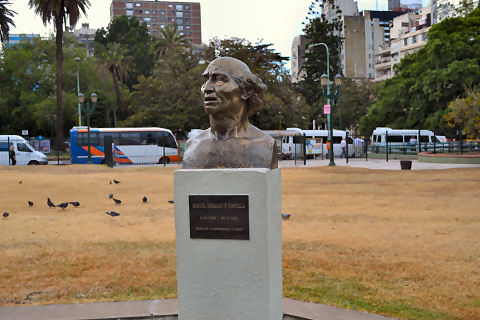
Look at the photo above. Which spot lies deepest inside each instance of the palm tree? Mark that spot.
(59, 11)
(118, 64)
(170, 38)
(6, 16)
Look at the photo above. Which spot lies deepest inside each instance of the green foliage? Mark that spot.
(427, 80)
(171, 98)
(132, 35)
(170, 39)
(6, 16)
(320, 30)
(464, 113)
(27, 87)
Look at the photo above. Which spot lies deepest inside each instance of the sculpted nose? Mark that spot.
(207, 87)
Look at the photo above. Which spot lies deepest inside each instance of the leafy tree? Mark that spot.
(464, 113)
(171, 97)
(132, 35)
(59, 11)
(6, 16)
(27, 86)
(169, 40)
(114, 61)
(427, 80)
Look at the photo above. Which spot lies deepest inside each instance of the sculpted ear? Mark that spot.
(247, 94)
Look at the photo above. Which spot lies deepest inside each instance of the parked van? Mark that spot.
(25, 154)
(399, 139)
(285, 150)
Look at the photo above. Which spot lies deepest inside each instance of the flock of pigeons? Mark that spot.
(76, 204)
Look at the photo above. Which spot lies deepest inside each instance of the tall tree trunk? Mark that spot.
(119, 97)
(59, 143)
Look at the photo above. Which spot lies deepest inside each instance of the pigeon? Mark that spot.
(50, 203)
(144, 199)
(116, 181)
(110, 195)
(20, 182)
(110, 181)
(63, 205)
(286, 215)
(112, 213)
(171, 201)
(117, 201)
(30, 203)
(75, 203)
(5, 214)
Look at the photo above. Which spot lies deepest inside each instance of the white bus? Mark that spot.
(316, 142)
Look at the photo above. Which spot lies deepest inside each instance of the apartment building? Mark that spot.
(409, 34)
(443, 9)
(158, 14)
(86, 35)
(298, 58)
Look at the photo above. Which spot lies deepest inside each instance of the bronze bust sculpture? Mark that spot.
(231, 93)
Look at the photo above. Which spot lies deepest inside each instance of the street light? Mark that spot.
(338, 84)
(78, 93)
(326, 83)
(88, 109)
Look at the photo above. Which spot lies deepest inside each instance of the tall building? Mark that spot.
(86, 35)
(443, 9)
(16, 38)
(298, 57)
(158, 14)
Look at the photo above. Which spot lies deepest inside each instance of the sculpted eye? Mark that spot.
(220, 79)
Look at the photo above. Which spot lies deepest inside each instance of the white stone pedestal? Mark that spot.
(220, 279)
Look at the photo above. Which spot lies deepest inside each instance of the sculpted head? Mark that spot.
(230, 88)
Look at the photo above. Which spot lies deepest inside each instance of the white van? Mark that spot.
(316, 142)
(403, 138)
(25, 154)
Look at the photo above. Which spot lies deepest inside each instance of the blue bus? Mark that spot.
(130, 145)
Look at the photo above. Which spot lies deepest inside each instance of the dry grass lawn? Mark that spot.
(401, 243)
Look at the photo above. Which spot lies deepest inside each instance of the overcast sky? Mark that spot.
(274, 21)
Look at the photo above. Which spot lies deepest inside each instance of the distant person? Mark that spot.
(343, 144)
(11, 155)
(358, 146)
(413, 140)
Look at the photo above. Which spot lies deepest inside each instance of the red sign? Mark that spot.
(326, 109)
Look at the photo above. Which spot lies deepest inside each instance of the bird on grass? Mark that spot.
(75, 203)
(63, 205)
(117, 201)
(5, 214)
(112, 213)
(20, 182)
(171, 201)
(144, 199)
(50, 203)
(286, 215)
(30, 203)
(116, 181)
(110, 195)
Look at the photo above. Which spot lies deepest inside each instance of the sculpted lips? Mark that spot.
(209, 100)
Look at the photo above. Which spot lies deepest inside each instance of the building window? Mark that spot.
(187, 7)
(170, 6)
(129, 5)
(187, 13)
(181, 33)
(187, 20)
(414, 39)
(129, 12)
(179, 14)
(138, 4)
(424, 37)
(179, 21)
(180, 28)
(187, 33)
(162, 18)
(147, 11)
(179, 7)
(154, 12)
(147, 20)
(162, 12)
(172, 13)
(154, 19)
(187, 27)
(162, 26)
(154, 32)
(405, 42)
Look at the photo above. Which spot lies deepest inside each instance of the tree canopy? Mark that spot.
(6, 20)
(427, 80)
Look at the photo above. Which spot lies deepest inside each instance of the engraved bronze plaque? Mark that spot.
(219, 217)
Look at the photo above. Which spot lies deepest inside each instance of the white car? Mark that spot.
(25, 154)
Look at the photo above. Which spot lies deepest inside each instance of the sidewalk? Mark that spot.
(374, 164)
(166, 310)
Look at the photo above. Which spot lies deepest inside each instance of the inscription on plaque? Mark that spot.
(219, 217)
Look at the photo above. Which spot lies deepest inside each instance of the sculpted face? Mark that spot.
(221, 94)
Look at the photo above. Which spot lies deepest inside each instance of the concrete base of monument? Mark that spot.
(229, 242)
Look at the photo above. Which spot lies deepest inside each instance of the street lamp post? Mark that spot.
(88, 109)
(78, 93)
(338, 83)
(326, 83)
